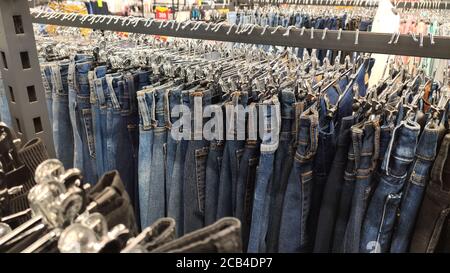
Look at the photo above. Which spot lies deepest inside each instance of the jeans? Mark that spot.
(232, 154)
(366, 138)
(84, 152)
(329, 208)
(153, 134)
(269, 114)
(322, 164)
(297, 200)
(48, 88)
(224, 236)
(282, 165)
(195, 169)
(5, 115)
(246, 187)
(431, 229)
(175, 207)
(415, 187)
(213, 169)
(379, 221)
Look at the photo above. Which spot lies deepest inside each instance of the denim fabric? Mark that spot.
(322, 164)
(345, 203)
(345, 105)
(99, 98)
(431, 232)
(366, 138)
(175, 206)
(153, 136)
(213, 169)
(62, 128)
(413, 193)
(232, 154)
(282, 164)
(195, 169)
(84, 152)
(147, 122)
(5, 115)
(269, 114)
(329, 208)
(72, 80)
(246, 187)
(297, 200)
(48, 88)
(224, 236)
(379, 221)
(173, 98)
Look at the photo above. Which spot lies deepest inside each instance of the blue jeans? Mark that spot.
(282, 165)
(297, 200)
(382, 210)
(213, 169)
(195, 169)
(415, 187)
(62, 128)
(5, 116)
(47, 80)
(269, 113)
(232, 154)
(329, 216)
(366, 151)
(84, 152)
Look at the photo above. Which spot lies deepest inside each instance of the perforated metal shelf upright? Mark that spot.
(20, 68)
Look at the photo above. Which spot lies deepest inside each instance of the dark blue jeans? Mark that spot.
(297, 200)
(382, 210)
(366, 139)
(431, 228)
(329, 208)
(246, 188)
(415, 188)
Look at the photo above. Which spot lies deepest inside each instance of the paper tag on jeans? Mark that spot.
(100, 3)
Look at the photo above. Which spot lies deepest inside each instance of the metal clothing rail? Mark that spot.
(368, 42)
(439, 4)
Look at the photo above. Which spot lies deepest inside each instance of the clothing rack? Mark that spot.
(355, 41)
(356, 3)
(30, 115)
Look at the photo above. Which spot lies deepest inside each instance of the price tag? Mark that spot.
(100, 3)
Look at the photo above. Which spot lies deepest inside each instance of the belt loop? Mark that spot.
(143, 110)
(112, 93)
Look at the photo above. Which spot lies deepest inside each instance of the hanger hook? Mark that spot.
(357, 37)
(421, 39)
(413, 35)
(251, 30)
(312, 33)
(324, 33)
(275, 30)
(288, 30)
(264, 29)
(229, 30)
(432, 38)
(303, 31)
(339, 33)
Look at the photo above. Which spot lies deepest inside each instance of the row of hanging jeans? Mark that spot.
(95, 123)
(330, 181)
(302, 19)
(198, 181)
